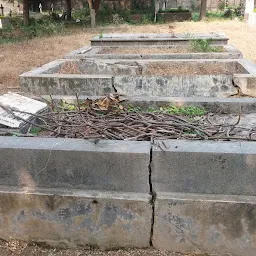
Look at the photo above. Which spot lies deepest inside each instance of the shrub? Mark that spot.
(81, 14)
(195, 16)
(202, 45)
(18, 32)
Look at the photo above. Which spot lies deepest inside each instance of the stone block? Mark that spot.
(207, 224)
(75, 164)
(226, 168)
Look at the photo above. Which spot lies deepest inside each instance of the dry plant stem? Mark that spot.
(92, 123)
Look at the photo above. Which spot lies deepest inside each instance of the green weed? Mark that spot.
(132, 108)
(185, 111)
(202, 45)
(35, 130)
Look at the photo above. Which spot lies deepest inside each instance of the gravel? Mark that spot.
(14, 248)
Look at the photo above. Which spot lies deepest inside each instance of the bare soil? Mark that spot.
(189, 69)
(16, 248)
(165, 69)
(149, 50)
(69, 67)
(22, 57)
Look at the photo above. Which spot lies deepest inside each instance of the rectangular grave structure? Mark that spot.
(153, 78)
(178, 195)
(154, 52)
(153, 39)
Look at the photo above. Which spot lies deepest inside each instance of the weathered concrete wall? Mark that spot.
(169, 86)
(226, 168)
(80, 164)
(176, 86)
(127, 196)
(204, 223)
(76, 218)
(217, 225)
(62, 84)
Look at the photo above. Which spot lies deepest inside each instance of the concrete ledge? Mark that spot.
(204, 167)
(75, 164)
(221, 225)
(76, 218)
(230, 52)
(152, 39)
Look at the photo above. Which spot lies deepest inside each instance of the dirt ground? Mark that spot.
(16, 248)
(22, 57)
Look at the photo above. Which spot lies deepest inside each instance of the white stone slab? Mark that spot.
(17, 102)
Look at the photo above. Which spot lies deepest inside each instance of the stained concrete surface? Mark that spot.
(81, 164)
(76, 218)
(217, 225)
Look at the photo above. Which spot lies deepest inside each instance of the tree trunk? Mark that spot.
(69, 9)
(94, 4)
(26, 12)
(203, 9)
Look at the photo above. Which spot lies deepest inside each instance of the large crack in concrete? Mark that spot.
(113, 84)
(152, 194)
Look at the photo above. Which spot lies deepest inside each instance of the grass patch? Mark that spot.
(172, 110)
